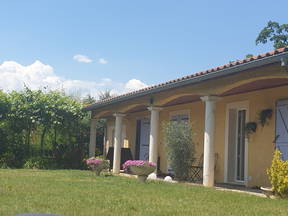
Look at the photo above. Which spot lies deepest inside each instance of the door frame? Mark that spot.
(236, 105)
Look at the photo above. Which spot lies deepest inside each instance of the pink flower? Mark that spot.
(93, 162)
(138, 163)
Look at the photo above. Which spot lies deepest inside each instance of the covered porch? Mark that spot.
(218, 103)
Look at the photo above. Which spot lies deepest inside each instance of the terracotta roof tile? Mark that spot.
(231, 64)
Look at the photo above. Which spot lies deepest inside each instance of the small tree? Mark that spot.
(180, 147)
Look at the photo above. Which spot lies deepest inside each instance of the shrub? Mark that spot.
(278, 175)
(179, 147)
(39, 163)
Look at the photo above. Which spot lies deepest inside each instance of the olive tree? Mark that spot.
(180, 147)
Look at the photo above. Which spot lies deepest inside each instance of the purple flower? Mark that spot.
(138, 163)
(93, 162)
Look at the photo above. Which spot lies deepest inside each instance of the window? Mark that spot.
(180, 117)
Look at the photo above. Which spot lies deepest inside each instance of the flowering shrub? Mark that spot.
(97, 165)
(278, 175)
(138, 163)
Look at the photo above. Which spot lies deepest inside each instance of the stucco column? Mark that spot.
(154, 126)
(117, 142)
(209, 155)
(93, 131)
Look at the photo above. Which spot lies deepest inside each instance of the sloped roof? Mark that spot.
(171, 83)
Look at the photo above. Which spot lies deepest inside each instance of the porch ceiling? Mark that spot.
(133, 107)
(257, 85)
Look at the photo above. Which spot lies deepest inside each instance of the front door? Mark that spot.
(282, 128)
(144, 139)
(236, 144)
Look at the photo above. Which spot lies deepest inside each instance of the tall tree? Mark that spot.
(105, 94)
(274, 32)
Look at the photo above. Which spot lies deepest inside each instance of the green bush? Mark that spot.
(179, 147)
(278, 175)
(39, 163)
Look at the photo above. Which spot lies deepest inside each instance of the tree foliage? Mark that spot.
(42, 123)
(180, 147)
(274, 32)
(105, 95)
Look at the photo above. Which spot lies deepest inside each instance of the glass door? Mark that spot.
(240, 149)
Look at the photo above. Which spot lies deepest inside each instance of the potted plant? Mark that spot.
(264, 116)
(250, 128)
(140, 168)
(97, 165)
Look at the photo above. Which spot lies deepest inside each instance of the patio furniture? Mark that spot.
(196, 170)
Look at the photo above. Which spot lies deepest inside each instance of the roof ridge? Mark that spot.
(217, 68)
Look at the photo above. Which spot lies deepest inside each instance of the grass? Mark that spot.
(74, 192)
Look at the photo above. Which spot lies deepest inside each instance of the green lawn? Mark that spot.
(71, 192)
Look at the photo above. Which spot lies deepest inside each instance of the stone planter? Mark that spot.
(142, 172)
(97, 165)
(140, 168)
(142, 178)
(97, 170)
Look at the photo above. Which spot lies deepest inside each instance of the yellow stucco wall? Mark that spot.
(260, 146)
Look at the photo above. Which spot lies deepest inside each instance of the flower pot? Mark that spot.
(142, 178)
(97, 165)
(97, 171)
(142, 170)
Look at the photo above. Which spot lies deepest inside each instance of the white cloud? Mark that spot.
(82, 58)
(38, 75)
(134, 84)
(102, 61)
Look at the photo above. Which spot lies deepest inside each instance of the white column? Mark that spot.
(117, 142)
(209, 155)
(154, 126)
(92, 144)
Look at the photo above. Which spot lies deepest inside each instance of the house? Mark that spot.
(219, 103)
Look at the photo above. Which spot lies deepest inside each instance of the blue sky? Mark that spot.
(151, 41)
